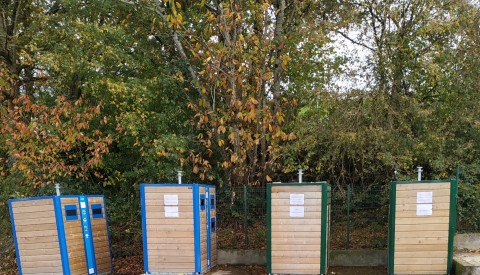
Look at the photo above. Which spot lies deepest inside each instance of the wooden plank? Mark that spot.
(425, 221)
(33, 222)
(170, 234)
(39, 227)
(413, 206)
(306, 202)
(282, 247)
(40, 264)
(292, 271)
(422, 261)
(420, 234)
(157, 227)
(39, 251)
(157, 203)
(303, 234)
(306, 195)
(297, 241)
(34, 246)
(39, 270)
(423, 186)
(413, 200)
(419, 254)
(173, 253)
(286, 215)
(44, 233)
(296, 253)
(307, 208)
(297, 189)
(413, 193)
(155, 265)
(69, 201)
(170, 246)
(34, 240)
(41, 257)
(33, 209)
(168, 189)
(152, 240)
(439, 268)
(297, 228)
(161, 196)
(159, 217)
(30, 203)
(295, 221)
(296, 260)
(420, 227)
(421, 240)
(421, 247)
(413, 214)
(295, 267)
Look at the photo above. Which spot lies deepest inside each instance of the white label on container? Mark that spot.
(91, 271)
(424, 197)
(170, 199)
(297, 211)
(171, 211)
(297, 199)
(424, 209)
(83, 205)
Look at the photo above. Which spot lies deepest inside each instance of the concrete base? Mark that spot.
(470, 241)
(337, 257)
(358, 258)
(242, 257)
(466, 263)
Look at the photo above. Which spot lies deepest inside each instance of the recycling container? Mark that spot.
(61, 235)
(421, 227)
(179, 228)
(298, 226)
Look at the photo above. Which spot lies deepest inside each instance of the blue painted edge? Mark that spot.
(14, 233)
(87, 235)
(71, 207)
(97, 206)
(209, 230)
(144, 226)
(108, 234)
(196, 226)
(32, 198)
(61, 235)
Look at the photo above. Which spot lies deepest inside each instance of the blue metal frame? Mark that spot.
(144, 227)
(14, 233)
(87, 235)
(61, 235)
(209, 244)
(196, 226)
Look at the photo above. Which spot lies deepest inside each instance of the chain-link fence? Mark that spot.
(359, 217)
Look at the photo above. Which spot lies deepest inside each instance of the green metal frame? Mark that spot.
(326, 189)
(451, 228)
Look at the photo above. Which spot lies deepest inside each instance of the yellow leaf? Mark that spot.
(268, 178)
(221, 142)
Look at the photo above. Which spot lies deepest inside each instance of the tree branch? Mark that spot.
(354, 41)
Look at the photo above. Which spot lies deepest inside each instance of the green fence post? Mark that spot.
(245, 215)
(348, 215)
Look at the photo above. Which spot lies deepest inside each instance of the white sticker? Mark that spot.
(91, 271)
(424, 197)
(83, 205)
(297, 199)
(297, 211)
(171, 211)
(424, 209)
(170, 199)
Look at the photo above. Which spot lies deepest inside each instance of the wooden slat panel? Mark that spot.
(297, 228)
(419, 254)
(297, 189)
(34, 208)
(420, 227)
(285, 202)
(74, 239)
(413, 214)
(423, 186)
(413, 200)
(439, 268)
(296, 221)
(160, 196)
(295, 267)
(159, 203)
(38, 227)
(296, 260)
(155, 252)
(413, 207)
(282, 247)
(425, 248)
(421, 240)
(306, 195)
(168, 189)
(174, 227)
(38, 252)
(422, 234)
(30, 203)
(297, 241)
(33, 222)
(286, 215)
(151, 240)
(413, 193)
(422, 220)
